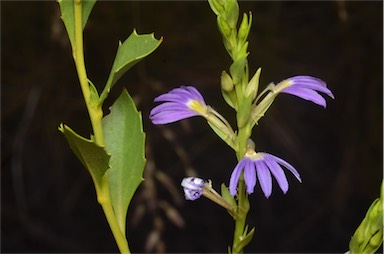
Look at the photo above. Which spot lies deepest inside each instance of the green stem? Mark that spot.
(104, 200)
(243, 202)
(95, 112)
(243, 208)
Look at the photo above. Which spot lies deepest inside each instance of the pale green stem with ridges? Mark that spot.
(243, 202)
(96, 114)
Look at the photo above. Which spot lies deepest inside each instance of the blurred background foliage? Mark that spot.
(48, 202)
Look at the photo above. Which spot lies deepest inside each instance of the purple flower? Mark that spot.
(193, 187)
(307, 88)
(262, 165)
(179, 103)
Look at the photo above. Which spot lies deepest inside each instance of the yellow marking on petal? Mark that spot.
(250, 153)
(283, 84)
(197, 106)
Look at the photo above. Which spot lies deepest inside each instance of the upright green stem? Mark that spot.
(96, 114)
(105, 201)
(243, 205)
(243, 202)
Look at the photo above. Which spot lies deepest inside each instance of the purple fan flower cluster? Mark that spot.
(186, 101)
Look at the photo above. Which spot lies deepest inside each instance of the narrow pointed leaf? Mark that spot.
(130, 52)
(68, 16)
(247, 237)
(93, 157)
(227, 195)
(124, 139)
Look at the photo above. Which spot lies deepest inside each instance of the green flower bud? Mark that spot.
(375, 242)
(232, 13)
(243, 50)
(226, 82)
(217, 7)
(223, 27)
(369, 235)
(244, 112)
(230, 98)
(244, 29)
(237, 69)
(253, 85)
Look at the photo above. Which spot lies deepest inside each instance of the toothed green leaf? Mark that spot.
(93, 157)
(124, 140)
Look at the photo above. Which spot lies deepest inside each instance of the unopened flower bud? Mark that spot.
(225, 29)
(216, 6)
(369, 235)
(226, 82)
(237, 69)
(244, 28)
(253, 85)
(193, 187)
(232, 13)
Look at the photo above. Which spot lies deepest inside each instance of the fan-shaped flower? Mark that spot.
(178, 104)
(261, 165)
(307, 88)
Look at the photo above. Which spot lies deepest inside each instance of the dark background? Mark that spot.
(48, 202)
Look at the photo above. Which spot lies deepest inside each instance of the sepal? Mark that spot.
(232, 13)
(369, 235)
(244, 29)
(253, 85)
(216, 6)
(226, 82)
(237, 69)
(227, 195)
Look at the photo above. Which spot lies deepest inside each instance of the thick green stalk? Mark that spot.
(96, 114)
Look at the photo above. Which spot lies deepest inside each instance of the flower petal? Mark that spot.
(250, 175)
(306, 94)
(171, 116)
(285, 164)
(235, 176)
(169, 106)
(195, 93)
(312, 83)
(264, 177)
(278, 173)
